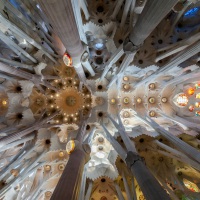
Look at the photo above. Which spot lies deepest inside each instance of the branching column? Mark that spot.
(150, 187)
(69, 184)
(154, 11)
(60, 15)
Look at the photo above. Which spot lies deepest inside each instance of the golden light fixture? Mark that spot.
(14, 172)
(48, 194)
(152, 113)
(126, 100)
(164, 100)
(47, 168)
(139, 100)
(112, 101)
(125, 78)
(61, 154)
(69, 100)
(61, 167)
(152, 86)
(126, 86)
(126, 122)
(4, 102)
(126, 114)
(152, 100)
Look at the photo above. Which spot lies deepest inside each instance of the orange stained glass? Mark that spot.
(191, 91)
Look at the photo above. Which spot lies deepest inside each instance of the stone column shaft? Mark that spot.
(128, 193)
(152, 14)
(60, 15)
(36, 79)
(82, 188)
(72, 174)
(119, 192)
(184, 147)
(125, 12)
(177, 155)
(150, 187)
(115, 56)
(120, 127)
(181, 57)
(89, 191)
(68, 186)
(18, 135)
(117, 8)
(148, 184)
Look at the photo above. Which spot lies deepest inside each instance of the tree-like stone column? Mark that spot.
(150, 187)
(152, 14)
(72, 174)
(61, 16)
(18, 135)
(36, 79)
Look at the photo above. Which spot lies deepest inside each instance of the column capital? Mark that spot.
(132, 158)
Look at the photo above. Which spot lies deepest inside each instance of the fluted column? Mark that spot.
(176, 154)
(60, 15)
(68, 186)
(18, 135)
(89, 190)
(72, 174)
(150, 187)
(184, 147)
(119, 192)
(36, 79)
(152, 14)
(181, 57)
(125, 12)
(128, 193)
(116, 10)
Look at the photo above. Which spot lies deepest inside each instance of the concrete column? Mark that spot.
(128, 192)
(150, 187)
(184, 147)
(89, 191)
(18, 135)
(177, 155)
(68, 186)
(127, 7)
(152, 14)
(36, 79)
(120, 127)
(181, 57)
(72, 174)
(119, 192)
(115, 56)
(60, 15)
(83, 183)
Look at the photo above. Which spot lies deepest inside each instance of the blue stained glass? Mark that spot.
(192, 11)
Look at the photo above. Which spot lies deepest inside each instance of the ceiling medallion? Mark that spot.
(69, 101)
(113, 101)
(152, 86)
(152, 100)
(152, 113)
(125, 78)
(164, 100)
(139, 100)
(126, 100)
